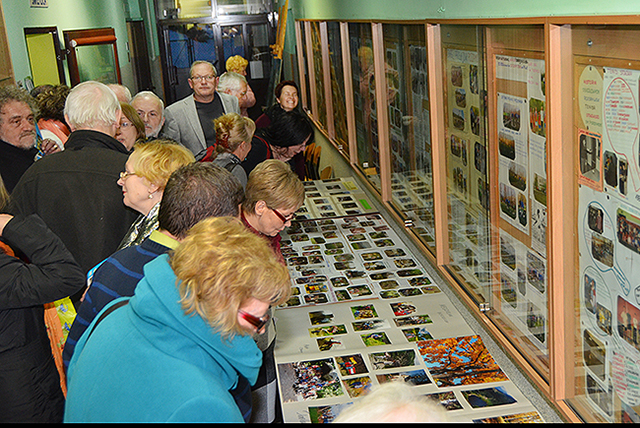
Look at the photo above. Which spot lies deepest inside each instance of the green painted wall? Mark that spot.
(456, 9)
(66, 15)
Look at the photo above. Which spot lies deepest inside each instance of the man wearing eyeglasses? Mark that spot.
(190, 120)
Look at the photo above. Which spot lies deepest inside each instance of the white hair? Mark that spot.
(231, 81)
(148, 95)
(91, 105)
(122, 92)
(395, 401)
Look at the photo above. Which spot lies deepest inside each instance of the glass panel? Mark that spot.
(606, 123)
(174, 9)
(244, 7)
(337, 86)
(364, 99)
(305, 66)
(260, 58)
(409, 132)
(233, 41)
(318, 70)
(97, 62)
(188, 43)
(470, 249)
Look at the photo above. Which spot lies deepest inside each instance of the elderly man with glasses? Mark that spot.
(190, 120)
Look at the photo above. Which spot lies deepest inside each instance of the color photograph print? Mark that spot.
(351, 365)
(393, 359)
(446, 399)
(413, 377)
(309, 380)
(330, 343)
(357, 386)
(326, 414)
(516, 418)
(459, 361)
(488, 397)
(590, 172)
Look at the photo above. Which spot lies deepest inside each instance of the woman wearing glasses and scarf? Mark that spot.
(181, 349)
(273, 194)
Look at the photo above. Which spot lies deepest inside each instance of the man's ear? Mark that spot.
(71, 127)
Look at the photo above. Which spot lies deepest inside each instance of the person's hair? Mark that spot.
(51, 102)
(123, 90)
(195, 192)
(4, 195)
(394, 401)
(134, 117)
(220, 266)
(40, 89)
(289, 128)
(13, 93)
(231, 130)
(231, 81)
(282, 84)
(157, 159)
(91, 104)
(273, 182)
(150, 95)
(195, 63)
(236, 64)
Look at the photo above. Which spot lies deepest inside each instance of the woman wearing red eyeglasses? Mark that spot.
(273, 194)
(181, 349)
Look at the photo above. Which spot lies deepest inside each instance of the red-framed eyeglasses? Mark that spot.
(284, 219)
(258, 323)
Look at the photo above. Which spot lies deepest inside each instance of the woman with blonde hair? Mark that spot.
(238, 64)
(274, 193)
(181, 349)
(143, 180)
(233, 135)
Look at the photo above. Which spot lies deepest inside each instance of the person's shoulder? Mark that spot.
(176, 105)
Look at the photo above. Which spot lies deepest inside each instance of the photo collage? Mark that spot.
(333, 197)
(364, 312)
(609, 241)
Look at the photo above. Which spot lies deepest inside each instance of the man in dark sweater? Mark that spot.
(18, 150)
(75, 191)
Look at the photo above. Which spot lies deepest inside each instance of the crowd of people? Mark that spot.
(165, 219)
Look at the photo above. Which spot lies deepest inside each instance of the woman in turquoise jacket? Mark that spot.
(182, 346)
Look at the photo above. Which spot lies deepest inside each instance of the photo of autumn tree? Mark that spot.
(459, 361)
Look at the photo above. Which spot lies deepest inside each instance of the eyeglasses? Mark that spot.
(284, 219)
(258, 323)
(125, 174)
(202, 78)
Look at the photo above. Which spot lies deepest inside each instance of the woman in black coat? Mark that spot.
(29, 381)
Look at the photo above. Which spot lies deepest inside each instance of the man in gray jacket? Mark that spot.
(190, 120)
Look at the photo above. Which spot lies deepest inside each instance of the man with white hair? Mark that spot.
(150, 108)
(235, 84)
(75, 191)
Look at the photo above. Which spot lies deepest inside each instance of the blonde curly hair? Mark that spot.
(236, 64)
(220, 266)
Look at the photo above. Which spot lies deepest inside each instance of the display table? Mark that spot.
(363, 312)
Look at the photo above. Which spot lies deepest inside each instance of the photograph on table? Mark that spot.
(446, 399)
(414, 377)
(460, 361)
(309, 380)
(487, 397)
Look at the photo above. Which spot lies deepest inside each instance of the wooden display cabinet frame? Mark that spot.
(561, 39)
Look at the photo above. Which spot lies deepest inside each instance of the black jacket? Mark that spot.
(76, 193)
(29, 381)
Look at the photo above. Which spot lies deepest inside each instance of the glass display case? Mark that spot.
(320, 108)
(606, 118)
(532, 127)
(409, 126)
(336, 70)
(364, 100)
(188, 9)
